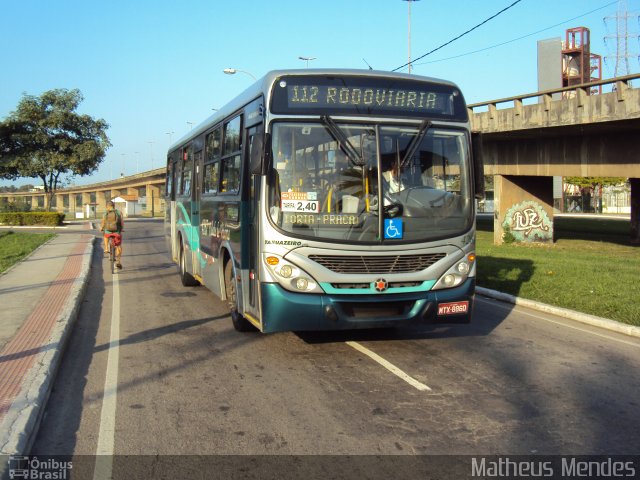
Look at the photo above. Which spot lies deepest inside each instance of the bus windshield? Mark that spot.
(361, 183)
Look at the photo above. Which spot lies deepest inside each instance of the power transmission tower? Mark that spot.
(623, 38)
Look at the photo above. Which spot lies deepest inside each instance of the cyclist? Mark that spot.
(112, 226)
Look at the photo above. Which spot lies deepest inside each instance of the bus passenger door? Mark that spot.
(196, 193)
(253, 184)
(170, 208)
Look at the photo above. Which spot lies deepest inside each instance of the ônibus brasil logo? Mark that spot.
(32, 468)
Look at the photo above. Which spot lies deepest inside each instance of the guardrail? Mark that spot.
(621, 85)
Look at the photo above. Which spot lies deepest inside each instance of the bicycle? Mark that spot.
(113, 260)
(112, 254)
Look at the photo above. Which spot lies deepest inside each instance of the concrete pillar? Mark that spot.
(635, 210)
(60, 202)
(154, 200)
(76, 198)
(101, 200)
(523, 209)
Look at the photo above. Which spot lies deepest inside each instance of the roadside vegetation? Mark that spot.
(14, 246)
(590, 268)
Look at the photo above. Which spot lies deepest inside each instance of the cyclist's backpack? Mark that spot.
(111, 221)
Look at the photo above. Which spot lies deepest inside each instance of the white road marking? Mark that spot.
(389, 366)
(106, 438)
(521, 310)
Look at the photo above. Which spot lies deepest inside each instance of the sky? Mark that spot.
(153, 69)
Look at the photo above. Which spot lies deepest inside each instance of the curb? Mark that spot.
(586, 318)
(20, 423)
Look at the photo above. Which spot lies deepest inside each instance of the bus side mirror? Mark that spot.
(478, 164)
(259, 146)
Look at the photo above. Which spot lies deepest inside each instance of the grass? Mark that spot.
(590, 268)
(14, 246)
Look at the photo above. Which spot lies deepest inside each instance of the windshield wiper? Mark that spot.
(415, 142)
(338, 135)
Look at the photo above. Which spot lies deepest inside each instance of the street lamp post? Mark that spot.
(409, 35)
(122, 172)
(233, 71)
(151, 150)
(307, 59)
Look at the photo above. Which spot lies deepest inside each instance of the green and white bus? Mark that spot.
(330, 199)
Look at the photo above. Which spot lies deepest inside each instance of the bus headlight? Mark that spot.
(286, 271)
(449, 280)
(289, 276)
(463, 268)
(457, 274)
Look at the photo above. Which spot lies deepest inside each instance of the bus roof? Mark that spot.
(264, 84)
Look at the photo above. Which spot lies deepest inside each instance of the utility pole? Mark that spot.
(409, 35)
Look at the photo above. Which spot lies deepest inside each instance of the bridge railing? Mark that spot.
(619, 85)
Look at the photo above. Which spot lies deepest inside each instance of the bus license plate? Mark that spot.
(453, 308)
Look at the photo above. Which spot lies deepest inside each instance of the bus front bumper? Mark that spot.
(283, 310)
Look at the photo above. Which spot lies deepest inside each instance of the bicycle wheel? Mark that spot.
(112, 255)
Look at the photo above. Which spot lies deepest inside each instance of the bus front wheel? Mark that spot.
(187, 279)
(240, 323)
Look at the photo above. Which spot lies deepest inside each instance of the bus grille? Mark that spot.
(382, 264)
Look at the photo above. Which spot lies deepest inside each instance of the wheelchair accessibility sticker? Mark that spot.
(393, 228)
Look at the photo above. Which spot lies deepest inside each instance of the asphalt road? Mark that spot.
(181, 381)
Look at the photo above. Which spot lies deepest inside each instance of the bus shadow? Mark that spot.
(154, 333)
(505, 275)
(485, 320)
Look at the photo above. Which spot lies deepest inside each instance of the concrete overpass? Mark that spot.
(146, 189)
(577, 134)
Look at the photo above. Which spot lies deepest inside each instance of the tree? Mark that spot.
(593, 182)
(46, 138)
(592, 186)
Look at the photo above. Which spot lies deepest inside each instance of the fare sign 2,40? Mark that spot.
(453, 308)
(300, 202)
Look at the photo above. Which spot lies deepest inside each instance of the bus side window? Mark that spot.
(231, 174)
(214, 144)
(187, 168)
(230, 169)
(169, 183)
(211, 178)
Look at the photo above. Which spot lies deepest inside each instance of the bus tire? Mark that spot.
(185, 277)
(240, 323)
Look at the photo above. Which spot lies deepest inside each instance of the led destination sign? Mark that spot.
(368, 96)
(358, 97)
